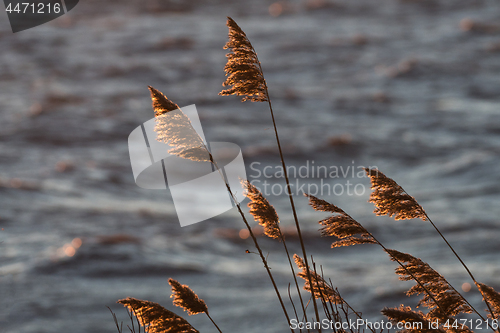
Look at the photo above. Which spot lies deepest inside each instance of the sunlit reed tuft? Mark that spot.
(156, 318)
(174, 128)
(262, 211)
(390, 198)
(321, 288)
(340, 225)
(161, 104)
(492, 298)
(185, 298)
(404, 314)
(243, 71)
(450, 301)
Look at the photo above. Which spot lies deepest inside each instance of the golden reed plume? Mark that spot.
(390, 198)
(450, 301)
(418, 320)
(243, 70)
(492, 297)
(340, 225)
(174, 128)
(322, 289)
(161, 104)
(185, 298)
(262, 211)
(156, 318)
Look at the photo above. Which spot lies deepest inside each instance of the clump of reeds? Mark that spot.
(443, 302)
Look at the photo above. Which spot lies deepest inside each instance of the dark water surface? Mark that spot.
(412, 87)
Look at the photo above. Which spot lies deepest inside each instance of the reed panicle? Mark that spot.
(340, 225)
(321, 288)
(161, 104)
(451, 303)
(418, 320)
(174, 128)
(262, 211)
(156, 318)
(492, 297)
(390, 199)
(243, 70)
(185, 298)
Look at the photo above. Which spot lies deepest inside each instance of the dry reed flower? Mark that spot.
(492, 297)
(174, 128)
(161, 104)
(450, 301)
(390, 198)
(340, 225)
(243, 70)
(156, 318)
(185, 298)
(262, 211)
(404, 314)
(322, 289)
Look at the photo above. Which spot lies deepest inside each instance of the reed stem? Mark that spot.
(264, 261)
(213, 322)
(290, 196)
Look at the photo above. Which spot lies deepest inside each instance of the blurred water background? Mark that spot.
(412, 87)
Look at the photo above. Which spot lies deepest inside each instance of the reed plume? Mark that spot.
(156, 318)
(340, 225)
(418, 320)
(243, 70)
(161, 104)
(174, 128)
(492, 297)
(321, 289)
(390, 199)
(450, 301)
(262, 211)
(185, 298)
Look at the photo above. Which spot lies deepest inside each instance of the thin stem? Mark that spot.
(294, 276)
(466, 268)
(406, 270)
(213, 322)
(293, 305)
(290, 196)
(264, 261)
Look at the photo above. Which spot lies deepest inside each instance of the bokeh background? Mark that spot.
(412, 87)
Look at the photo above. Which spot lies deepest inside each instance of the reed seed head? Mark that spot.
(491, 296)
(322, 289)
(450, 301)
(340, 225)
(185, 298)
(390, 198)
(161, 104)
(243, 70)
(174, 128)
(262, 211)
(156, 318)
